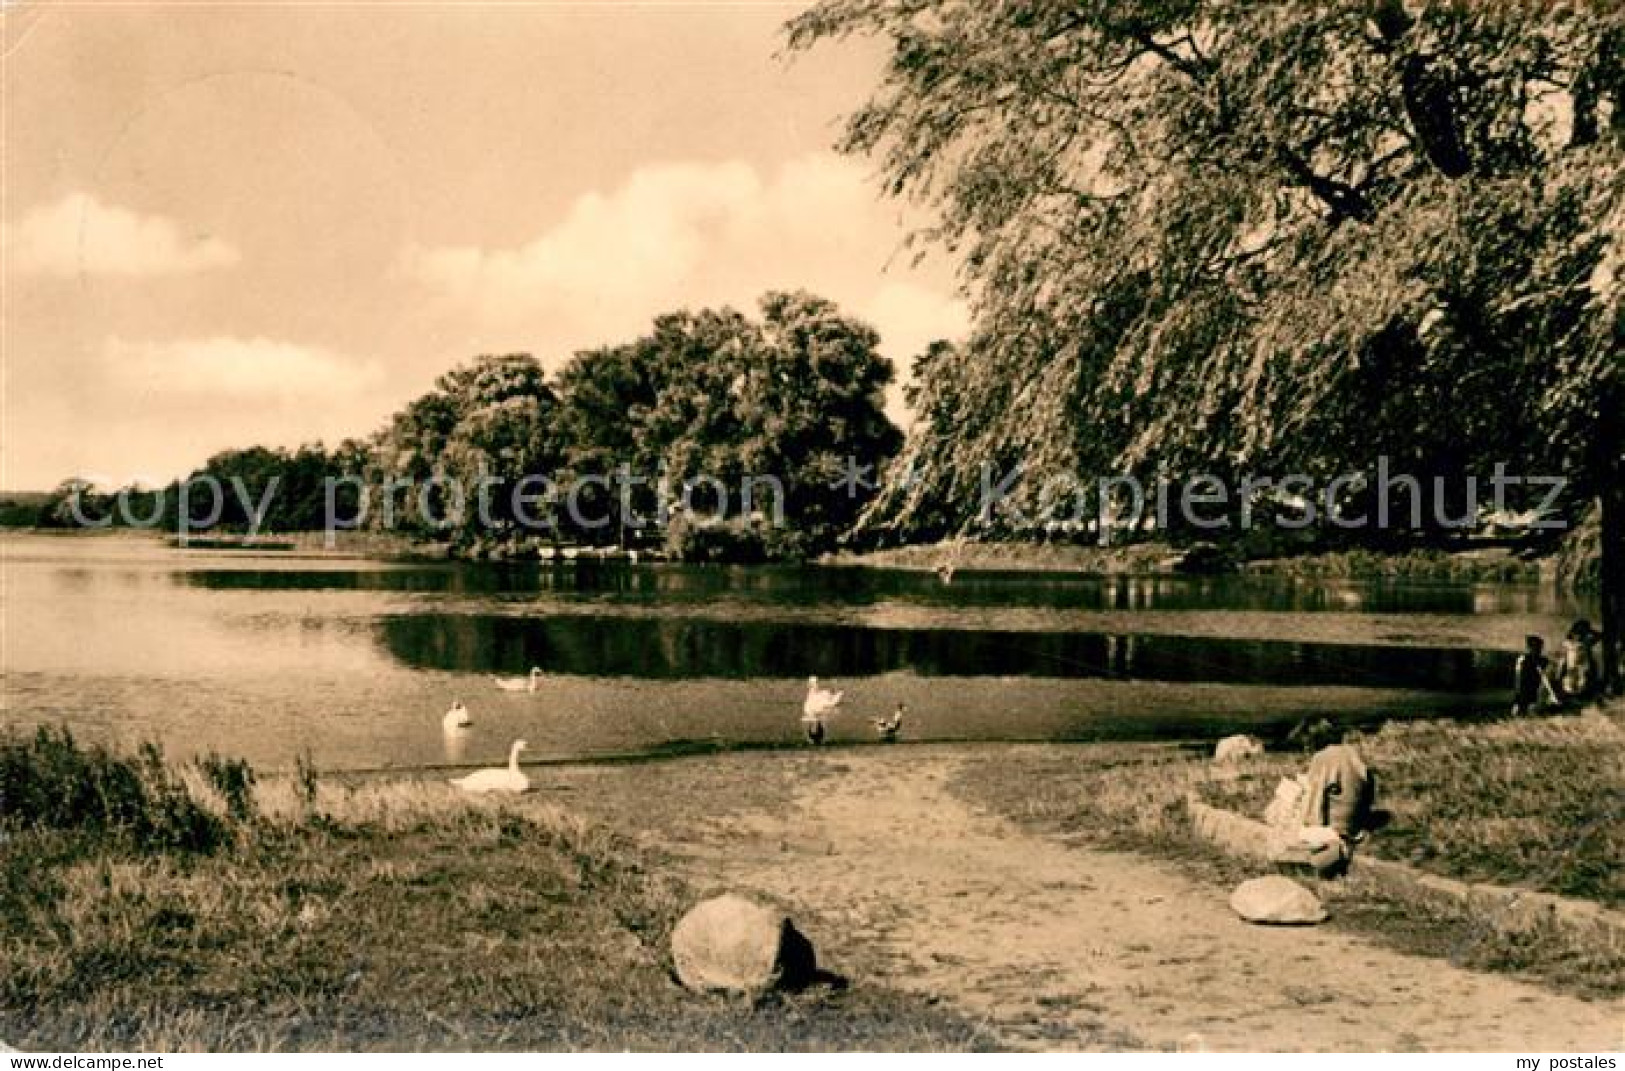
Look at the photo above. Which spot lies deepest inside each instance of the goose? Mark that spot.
(497, 779)
(520, 684)
(888, 728)
(819, 701)
(456, 717)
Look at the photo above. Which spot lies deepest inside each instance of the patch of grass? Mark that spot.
(1469, 567)
(380, 915)
(1017, 557)
(1132, 798)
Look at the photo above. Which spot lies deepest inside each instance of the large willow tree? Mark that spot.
(1227, 236)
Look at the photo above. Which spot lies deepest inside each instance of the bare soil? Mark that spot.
(1050, 944)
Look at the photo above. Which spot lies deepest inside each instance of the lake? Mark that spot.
(270, 656)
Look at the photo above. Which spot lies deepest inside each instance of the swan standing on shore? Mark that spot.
(819, 702)
(456, 717)
(520, 684)
(497, 779)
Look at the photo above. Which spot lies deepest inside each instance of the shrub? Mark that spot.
(49, 782)
(234, 780)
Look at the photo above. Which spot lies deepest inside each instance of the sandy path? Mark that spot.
(1055, 946)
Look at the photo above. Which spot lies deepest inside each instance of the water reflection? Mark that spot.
(797, 587)
(454, 746)
(671, 648)
(355, 661)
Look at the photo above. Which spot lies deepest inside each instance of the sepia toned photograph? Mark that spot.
(988, 526)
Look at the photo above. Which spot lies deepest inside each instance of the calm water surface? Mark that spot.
(353, 661)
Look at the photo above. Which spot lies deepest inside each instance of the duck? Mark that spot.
(497, 779)
(456, 717)
(888, 728)
(819, 701)
(527, 683)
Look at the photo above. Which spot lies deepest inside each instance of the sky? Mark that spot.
(230, 224)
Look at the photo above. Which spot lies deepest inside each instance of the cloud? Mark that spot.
(234, 370)
(80, 235)
(680, 235)
(168, 404)
(916, 316)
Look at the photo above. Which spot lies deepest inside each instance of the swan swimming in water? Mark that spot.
(456, 717)
(497, 779)
(520, 684)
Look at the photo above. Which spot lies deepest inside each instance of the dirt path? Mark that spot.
(1056, 947)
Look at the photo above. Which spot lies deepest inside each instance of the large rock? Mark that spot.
(1278, 901)
(731, 943)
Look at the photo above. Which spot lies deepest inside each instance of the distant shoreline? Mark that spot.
(1490, 564)
(1476, 565)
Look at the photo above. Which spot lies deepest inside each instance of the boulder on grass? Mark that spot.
(1277, 901)
(730, 943)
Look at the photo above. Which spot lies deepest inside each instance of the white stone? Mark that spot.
(1278, 901)
(731, 943)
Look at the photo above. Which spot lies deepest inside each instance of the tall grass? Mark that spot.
(49, 782)
(374, 915)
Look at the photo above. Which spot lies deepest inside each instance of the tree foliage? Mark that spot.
(1211, 234)
(709, 393)
(1218, 235)
(716, 394)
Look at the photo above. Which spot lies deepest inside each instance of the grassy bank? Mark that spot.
(144, 906)
(1125, 560)
(1534, 803)
(1478, 566)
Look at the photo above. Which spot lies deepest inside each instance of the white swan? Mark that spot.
(520, 684)
(497, 779)
(456, 717)
(819, 701)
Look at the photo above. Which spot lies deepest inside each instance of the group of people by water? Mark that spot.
(1539, 682)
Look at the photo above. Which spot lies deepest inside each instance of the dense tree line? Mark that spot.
(795, 396)
(497, 457)
(1219, 236)
(270, 490)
